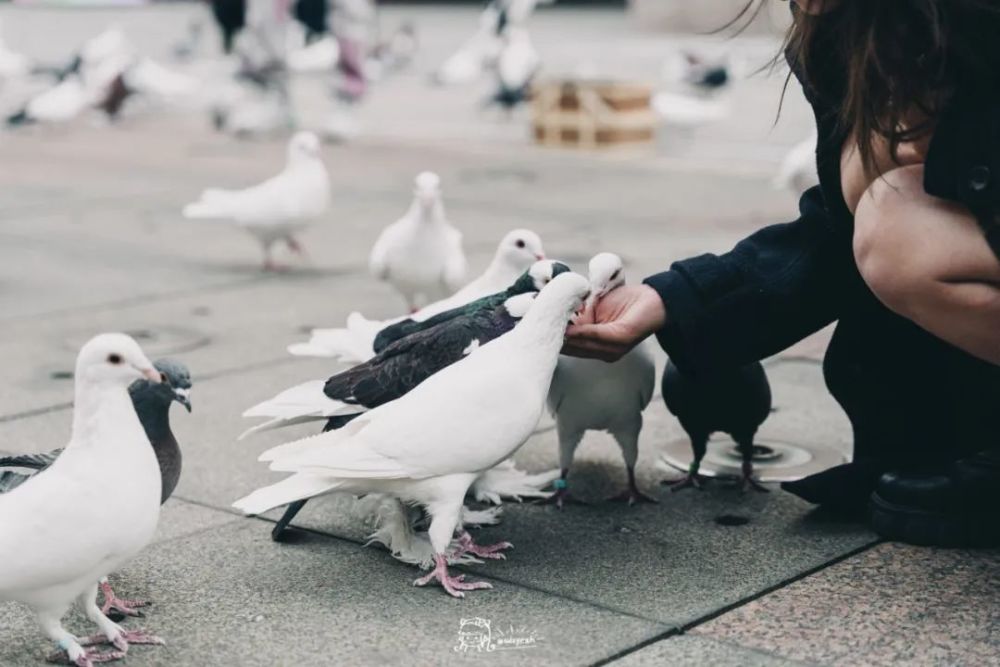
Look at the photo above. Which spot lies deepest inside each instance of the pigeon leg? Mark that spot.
(270, 266)
(112, 603)
(286, 518)
(699, 444)
(466, 545)
(295, 246)
(628, 441)
(747, 480)
(633, 495)
(562, 495)
(71, 652)
(111, 632)
(453, 585)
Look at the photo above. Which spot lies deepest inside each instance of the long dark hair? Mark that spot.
(894, 64)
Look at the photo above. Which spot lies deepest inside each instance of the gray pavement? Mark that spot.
(91, 239)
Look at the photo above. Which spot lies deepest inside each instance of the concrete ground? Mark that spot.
(92, 240)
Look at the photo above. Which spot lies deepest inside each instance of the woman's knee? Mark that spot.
(888, 255)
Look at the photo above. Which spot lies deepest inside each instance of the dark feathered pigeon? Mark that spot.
(152, 404)
(736, 402)
(405, 363)
(526, 283)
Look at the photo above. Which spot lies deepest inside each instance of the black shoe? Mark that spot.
(844, 489)
(955, 507)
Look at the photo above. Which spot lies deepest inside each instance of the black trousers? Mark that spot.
(912, 399)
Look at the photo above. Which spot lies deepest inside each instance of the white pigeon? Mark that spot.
(517, 251)
(429, 446)
(59, 104)
(798, 169)
(517, 65)
(93, 510)
(278, 208)
(689, 110)
(591, 395)
(421, 253)
(468, 63)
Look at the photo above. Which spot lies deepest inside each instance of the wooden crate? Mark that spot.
(592, 114)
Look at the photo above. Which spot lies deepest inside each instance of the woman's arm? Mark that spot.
(773, 289)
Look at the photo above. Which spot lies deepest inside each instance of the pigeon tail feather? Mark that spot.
(507, 481)
(289, 490)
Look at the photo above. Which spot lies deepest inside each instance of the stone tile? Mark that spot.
(231, 596)
(891, 605)
(695, 651)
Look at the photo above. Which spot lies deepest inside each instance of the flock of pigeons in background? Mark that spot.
(246, 91)
(430, 410)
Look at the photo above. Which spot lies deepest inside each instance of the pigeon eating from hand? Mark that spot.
(91, 511)
(421, 253)
(152, 401)
(591, 395)
(734, 401)
(429, 446)
(278, 208)
(407, 359)
(403, 365)
(517, 251)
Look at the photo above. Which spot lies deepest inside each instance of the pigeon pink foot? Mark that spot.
(466, 545)
(124, 640)
(454, 586)
(125, 607)
(89, 658)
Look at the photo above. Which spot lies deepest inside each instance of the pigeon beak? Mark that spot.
(183, 396)
(539, 256)
(151, 374)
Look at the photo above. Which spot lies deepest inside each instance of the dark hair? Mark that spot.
(893, 64)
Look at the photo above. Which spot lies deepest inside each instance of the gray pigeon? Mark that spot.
(152, 404)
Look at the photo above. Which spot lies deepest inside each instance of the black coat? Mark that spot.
(904, 390)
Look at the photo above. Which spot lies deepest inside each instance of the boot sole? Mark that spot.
(923, 528)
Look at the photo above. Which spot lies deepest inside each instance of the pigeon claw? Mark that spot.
(454, 586)
(115, 606)
(633, 497)
(748, 481)
(692, 480)
(140, 638)
(88, 658)
(466, 545)
(559, 498)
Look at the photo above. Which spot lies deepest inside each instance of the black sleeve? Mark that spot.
(774, 288)
(963, 163)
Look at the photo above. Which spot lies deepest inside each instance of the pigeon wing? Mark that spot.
(409, 326)
(33, 461)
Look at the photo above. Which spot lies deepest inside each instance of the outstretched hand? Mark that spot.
(614, 325)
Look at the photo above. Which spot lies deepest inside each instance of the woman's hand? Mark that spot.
(617, 323)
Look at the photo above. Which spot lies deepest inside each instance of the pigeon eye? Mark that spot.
(114, 359)
(163, 378)
(614, 276)
(520, 243)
